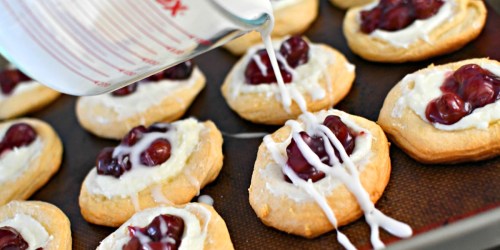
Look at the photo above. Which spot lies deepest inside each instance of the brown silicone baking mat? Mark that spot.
(424, 196)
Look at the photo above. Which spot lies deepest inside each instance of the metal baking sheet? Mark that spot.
(427, 197)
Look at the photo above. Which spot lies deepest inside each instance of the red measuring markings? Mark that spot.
(175, 26)
(174, 6)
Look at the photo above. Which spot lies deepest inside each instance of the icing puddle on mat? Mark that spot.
(347, 172)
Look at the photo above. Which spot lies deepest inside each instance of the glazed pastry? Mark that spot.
(400, 31)
(326, 169)
(345, 4)
(316, 77)
(34, 225)
(20, 95)
(30, 153)
(164, 96)
(291, 17)
(446, 114)
(191, 226)
(162, 164)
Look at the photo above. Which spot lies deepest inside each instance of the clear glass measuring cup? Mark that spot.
(95, 46)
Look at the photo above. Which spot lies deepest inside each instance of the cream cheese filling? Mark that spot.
(32, 231)
(420, 88)
(184, 137)
(146, 96)
(16, 161)
(418, 30)
(195, 232)
(306, 77)
(273, 174)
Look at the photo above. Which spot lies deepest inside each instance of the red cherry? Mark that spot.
(127, 90)
(478, 92)
(10, 78)
(157, 153)
(256, 75)
(342, 132)
(426, 8)
(299, 164)
(180, 71)
(467, 71)
(153, 237)
(370, 19)
(18, 135)
(397, 18)
(10, 238)
(295, 50)
(133, 136)
(447, 109)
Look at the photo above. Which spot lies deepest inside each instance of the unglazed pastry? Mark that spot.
(316, 77)
(20, 95)
(30, 153)
(162, 164)
(40, 226)
(162, 97)
(345, 4)
(291, 17)
(445, 27)
(294, 170)
(190, 226)
(469, 131)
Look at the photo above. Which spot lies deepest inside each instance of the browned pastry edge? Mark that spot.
(307, 219)
(36, 175)
(259, 108)
(204, 165)
(452, 35)
(427, 144)
(49, 216)
(27, 101)
(169, 109)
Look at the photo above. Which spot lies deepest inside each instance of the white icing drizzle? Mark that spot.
(32, 231)
(244, 135)
(347, 173)
(306, 77)
(158, 197)
(16, 161)
(146, 96)
(194, 234)
(426, 87)
(183, 137)
(21, 88)
(134, 198)
(285, 95)
(194, 182)
(206, 199)
(419, 29)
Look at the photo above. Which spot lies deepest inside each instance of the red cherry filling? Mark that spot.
(11, 239)
(127, 90)
(394, 15)
(163, 233)
(180, 71)
(468, 88)
(10, 78)
(18, 135)
(295, 50)
(299, 164)
(156, 153)
(259, 70)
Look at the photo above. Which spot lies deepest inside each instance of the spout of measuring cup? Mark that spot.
(248, 14)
